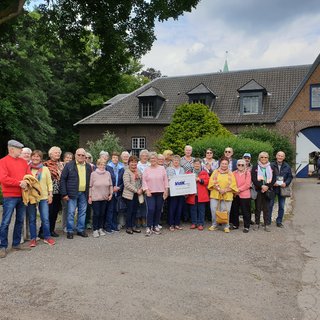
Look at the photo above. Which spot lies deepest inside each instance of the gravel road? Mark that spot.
(185, 274)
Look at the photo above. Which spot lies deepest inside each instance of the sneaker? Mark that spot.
(193, 226)
(33, 243)
(226, 230)
(129, 231)
(136, 230)
(256, 227)
(148, 232)
(96, 234)
(245, 230)
(3, 252)
(22, 240)
(280, 225)
(234, 227)
(116, 230)
(156, 230)
(212, 228)
(19, 247)
(160, 227)
(200, 228)
(65, 230)
(49, 241)
(171, 228)
(109, 232)
(101, 232)
(266, 228)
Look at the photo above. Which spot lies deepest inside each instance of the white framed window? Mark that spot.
(137, 144)
(250, 104)
(147, 109)
(315, 96)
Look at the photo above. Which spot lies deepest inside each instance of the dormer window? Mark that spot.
(251, 98)
(202, 94)
(150, 103)
(147, 109)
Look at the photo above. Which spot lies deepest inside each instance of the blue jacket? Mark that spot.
(119, 183)
(69, 181)
(285, 172)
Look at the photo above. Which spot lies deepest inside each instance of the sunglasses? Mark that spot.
(240, 165)
(227, 151)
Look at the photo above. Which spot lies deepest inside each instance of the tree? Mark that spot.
(10, 9)
(151, 73)
(109, 142)
(25, 77)
(190, 121)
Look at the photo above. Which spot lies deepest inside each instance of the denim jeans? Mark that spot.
(154, 208)
(79, 202)
(225, 205)
(99, 209)
(44, 216)
(197, 212)
(176, 205)
(132, 207)
(281, 203)
(9, 204)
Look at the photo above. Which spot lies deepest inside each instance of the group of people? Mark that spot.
(137, 187)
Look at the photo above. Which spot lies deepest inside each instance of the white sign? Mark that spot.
(183, 184)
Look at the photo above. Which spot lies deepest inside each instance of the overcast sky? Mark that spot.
(256, 34)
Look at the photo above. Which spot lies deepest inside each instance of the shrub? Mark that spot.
(239, 145)
(109, 142)
(190, 121)
(279, 142)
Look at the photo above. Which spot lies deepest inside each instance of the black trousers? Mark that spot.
(241, 206)
(54, 209)
(262, 204)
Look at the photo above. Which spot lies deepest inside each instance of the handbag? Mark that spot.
(221, 216)
(285, 192)
(121, 205)
(141, 198)
(270, 194)
(253, 192)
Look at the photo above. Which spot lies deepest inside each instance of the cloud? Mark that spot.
(266, 34)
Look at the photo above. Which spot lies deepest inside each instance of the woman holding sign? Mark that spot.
(176, 203)
(155, 185)
(222, 185)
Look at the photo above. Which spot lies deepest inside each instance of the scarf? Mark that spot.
(216, 174)
(135, 174)
(39, 168)
(55, 169)
(267, 174)
(196, 172)
(100, 171)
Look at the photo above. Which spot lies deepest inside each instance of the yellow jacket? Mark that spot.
(32, 193)
(224, 180)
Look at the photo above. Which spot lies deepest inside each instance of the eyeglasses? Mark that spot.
(81, 155)
(264, 157)
(209, 152)
(240, 165)
(227, 151)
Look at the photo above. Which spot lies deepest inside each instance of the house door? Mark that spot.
(307, 143)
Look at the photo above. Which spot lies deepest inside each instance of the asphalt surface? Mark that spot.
(185, 274)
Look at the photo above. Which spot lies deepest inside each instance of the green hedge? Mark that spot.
(279, 142)
(239, 145)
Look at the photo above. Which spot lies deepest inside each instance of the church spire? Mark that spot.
(225, 67)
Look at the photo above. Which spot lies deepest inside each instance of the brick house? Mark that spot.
(284, 98)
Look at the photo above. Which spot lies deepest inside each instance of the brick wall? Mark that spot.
(125, 132)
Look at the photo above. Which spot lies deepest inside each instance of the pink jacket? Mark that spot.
(243, 183)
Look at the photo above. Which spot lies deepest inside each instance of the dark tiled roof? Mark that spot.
(200, 89)
(151, 92)
(280, 83)
(115, 98)
(252, 86)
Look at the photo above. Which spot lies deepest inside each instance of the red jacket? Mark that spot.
(203, 193)
(12, 171)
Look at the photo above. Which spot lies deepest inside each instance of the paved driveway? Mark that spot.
(181, 275)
